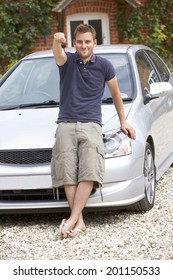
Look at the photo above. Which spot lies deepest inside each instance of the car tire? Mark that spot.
(150, 182)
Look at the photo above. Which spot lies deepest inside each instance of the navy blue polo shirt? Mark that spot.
(81, 88)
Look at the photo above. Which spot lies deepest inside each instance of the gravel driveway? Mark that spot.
(120, 235)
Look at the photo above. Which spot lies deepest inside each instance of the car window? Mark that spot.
(32, 81)
(37, 81)
(161, 67)
(147, 73)
(123, 73)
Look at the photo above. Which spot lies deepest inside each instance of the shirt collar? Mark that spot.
(92, 60)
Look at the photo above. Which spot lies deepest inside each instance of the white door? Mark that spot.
(99, 21)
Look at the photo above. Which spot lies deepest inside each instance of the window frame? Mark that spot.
(155, 59)
(86, 17)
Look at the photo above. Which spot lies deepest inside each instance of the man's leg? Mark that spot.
(70, 191)
(77, 197)
(81, 196)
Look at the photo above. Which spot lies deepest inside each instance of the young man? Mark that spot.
(78, 153)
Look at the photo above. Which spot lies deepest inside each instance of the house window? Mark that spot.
(73, 25)
(97, 24)
(98, 21)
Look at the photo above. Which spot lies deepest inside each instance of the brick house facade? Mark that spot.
(67, 13)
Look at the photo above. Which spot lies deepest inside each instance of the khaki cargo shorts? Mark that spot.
(78, 154)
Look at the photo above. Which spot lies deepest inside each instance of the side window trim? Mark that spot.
(147, 52)
(152, 74)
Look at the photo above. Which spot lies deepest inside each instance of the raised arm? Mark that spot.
(58, 51)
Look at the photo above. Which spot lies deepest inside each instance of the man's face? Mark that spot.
(84, 44)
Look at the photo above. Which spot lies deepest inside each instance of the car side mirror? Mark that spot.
(158, 90)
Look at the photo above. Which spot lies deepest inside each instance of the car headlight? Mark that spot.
(116, 144)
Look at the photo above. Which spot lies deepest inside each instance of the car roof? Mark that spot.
(101, 49)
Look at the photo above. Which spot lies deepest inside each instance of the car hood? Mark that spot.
(35, 128)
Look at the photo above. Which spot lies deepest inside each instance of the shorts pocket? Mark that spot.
(100, 163)
(57, 170)
(100, 151)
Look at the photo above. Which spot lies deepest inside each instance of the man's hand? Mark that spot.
(60, 38)
(128, 130)
(58, 51)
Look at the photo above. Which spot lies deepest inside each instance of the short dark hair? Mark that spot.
(83, 28)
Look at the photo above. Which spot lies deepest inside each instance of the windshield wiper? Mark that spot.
(110, 101)
(44, 104)
(128, 99)
(107, 100)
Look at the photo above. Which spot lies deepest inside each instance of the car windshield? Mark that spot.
(123, 73)
(36, 82)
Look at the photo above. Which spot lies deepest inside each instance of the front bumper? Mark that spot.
(123, 186)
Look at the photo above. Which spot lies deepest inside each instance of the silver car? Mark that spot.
(29, 104)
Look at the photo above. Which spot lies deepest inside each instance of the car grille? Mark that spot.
(31, 195)
(26, 156)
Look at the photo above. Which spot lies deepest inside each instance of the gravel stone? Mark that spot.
(120, 235)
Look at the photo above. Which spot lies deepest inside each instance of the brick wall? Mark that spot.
(97, 6)
(78, 6)
(83, 6)
(45, 43)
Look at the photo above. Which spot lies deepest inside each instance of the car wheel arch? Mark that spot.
(147, 202)
(150, 141)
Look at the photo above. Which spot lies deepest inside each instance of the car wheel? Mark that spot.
(150, 181)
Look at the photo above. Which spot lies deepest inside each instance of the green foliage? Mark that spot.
(151, 25)
(21, 23)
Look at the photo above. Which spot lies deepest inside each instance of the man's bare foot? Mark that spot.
(79, 228)
(66, 228)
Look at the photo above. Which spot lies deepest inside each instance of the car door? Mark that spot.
(156, 108)
(165, 76)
